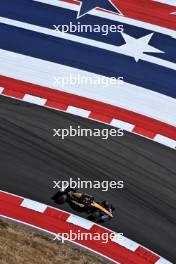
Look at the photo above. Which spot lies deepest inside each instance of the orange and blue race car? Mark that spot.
(97, 211)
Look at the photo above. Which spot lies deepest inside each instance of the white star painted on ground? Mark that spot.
(136, 47)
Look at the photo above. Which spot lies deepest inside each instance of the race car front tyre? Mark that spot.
(96, 215)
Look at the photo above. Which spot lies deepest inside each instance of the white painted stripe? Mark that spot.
(78, 111)
(167, 2)
(79, 221)
(90, 42)
(41, 72)
(174, 13)
(1, 90)
(165, 141)
(123, 125)
(36, 206)
(125, 242)
(163, 261)
(34, 99)
(49, 2)
(113, 17)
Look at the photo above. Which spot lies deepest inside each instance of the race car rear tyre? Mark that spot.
(62, 198)
(71, 189)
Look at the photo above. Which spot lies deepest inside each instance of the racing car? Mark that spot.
(96, 211)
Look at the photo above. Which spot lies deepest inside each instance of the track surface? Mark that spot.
(31, 158)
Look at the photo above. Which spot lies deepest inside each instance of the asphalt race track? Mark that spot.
(31, 158)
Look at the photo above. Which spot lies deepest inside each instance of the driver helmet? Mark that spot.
(87, 199)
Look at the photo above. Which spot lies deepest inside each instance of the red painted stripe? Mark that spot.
(144, 132)
(11, 199)
(56, 105)
(110, 111)
(100, 117)
(56, 214)
(13, 93)
(146, 11)
(148, 255)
